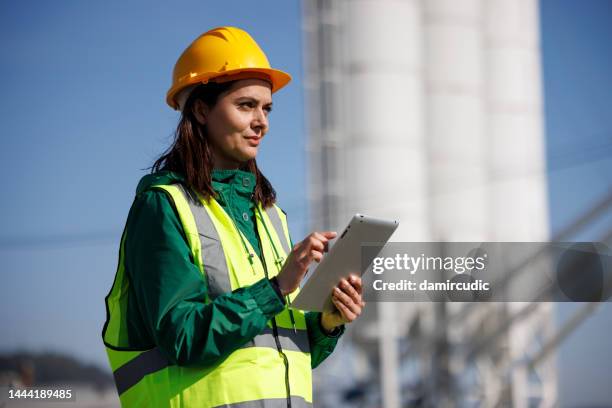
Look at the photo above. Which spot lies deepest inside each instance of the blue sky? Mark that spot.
(577, 67)
(83, 114)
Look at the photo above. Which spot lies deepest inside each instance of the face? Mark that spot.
(238, 122)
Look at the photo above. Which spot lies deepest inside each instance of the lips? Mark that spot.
(253, 140)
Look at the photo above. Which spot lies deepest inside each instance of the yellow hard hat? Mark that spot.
(219, 55)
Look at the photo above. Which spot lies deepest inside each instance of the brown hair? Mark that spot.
(190, 153)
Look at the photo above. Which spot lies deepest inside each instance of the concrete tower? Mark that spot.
(430, 112)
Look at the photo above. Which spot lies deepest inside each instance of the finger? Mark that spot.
(326, 245)
(318, 242)
(328, 234)
(319, 236)
(349, 290)
(316, 255)
(313, 240)
(347, 315)
(353, 306)
(356, 282)
(317, 239)
(316, 245)
(308, 255)
(324, 237)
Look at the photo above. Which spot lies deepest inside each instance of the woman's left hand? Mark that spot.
(346, 296)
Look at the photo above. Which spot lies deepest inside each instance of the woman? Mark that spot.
(199, 311)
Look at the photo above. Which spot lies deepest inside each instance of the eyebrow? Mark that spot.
(250, 98)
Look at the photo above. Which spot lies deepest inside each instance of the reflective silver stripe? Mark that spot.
(213, 257)
(134, 370)
(289, 340)
(296, 402)
(278, 227)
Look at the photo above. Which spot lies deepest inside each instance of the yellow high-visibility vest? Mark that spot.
(272, 370)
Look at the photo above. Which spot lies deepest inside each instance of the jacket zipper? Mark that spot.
(275, 328)
(274, 325)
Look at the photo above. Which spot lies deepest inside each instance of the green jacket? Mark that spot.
(166, 304)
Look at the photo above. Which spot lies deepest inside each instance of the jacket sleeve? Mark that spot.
(169, 290)
(321, 344)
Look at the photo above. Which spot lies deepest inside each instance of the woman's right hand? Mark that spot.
(298, 261)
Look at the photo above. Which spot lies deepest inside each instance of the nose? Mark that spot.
(260, 121)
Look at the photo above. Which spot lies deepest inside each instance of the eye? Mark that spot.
(267, 109)
(247, 104)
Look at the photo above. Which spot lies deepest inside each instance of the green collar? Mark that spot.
(226, 181)
(240, 182)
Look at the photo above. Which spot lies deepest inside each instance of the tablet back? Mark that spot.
(344, 258)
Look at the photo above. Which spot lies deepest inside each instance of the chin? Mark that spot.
(248, 154)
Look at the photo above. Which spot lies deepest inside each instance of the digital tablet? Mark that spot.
(343, 258)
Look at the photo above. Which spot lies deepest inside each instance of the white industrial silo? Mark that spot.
(430, 112)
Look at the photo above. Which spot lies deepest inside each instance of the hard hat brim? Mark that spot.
(277, 78)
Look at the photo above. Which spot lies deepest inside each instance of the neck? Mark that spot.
(225, 163)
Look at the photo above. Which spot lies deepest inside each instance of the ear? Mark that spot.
(200, 111)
